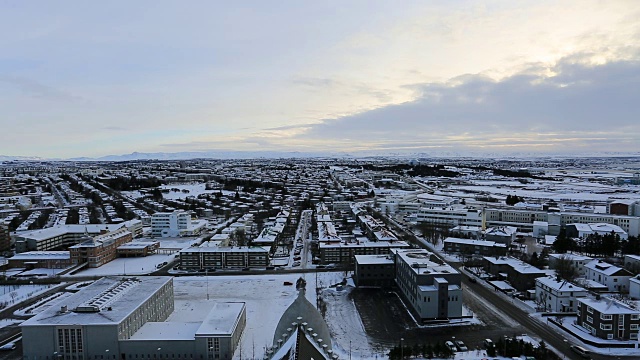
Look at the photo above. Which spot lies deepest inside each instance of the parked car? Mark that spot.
(450, 345)
(488, 344)
(461, 346)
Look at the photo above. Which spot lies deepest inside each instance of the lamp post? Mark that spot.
(401, 349)
(206, 274)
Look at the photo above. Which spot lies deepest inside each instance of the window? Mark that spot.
(589, 319)
(606, 317)
(589, 309)
(605, 326)
(635, 316)
(609, 336)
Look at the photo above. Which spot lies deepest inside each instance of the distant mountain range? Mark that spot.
(222, 154)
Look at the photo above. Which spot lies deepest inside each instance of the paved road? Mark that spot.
(532, 326)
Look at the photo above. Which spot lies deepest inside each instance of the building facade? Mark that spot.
(374, 270)
(100, 249)
(474, 247)
(616, 279)
(608, 319)
(430, 287)
(223, 257)
(558, 296)
(126, 318)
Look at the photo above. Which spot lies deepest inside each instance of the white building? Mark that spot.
(584, 230)
(121, 318)
(175, 224)
(613, 277)
(634, 287)
(558, 296)
(450, 216)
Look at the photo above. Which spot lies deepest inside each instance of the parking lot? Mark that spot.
(386, 320)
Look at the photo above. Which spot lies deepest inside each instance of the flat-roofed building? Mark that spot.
(474, 247)
(374, 270)
(223, 257)
(128, 317)
(41, 259)
(138, 248)
(430, 287)
(520, 275)
(343, 252)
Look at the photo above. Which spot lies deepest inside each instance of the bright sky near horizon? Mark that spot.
(82, 78)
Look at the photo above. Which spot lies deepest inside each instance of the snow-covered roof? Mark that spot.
(222, 319)
(608, 306)
(558, 285)
(121, 296)
(474, 242)
(422, 261)
(606, 268)
(502, 231)
(42, 255)
(571, 257)
(515, 264)
(374, 259)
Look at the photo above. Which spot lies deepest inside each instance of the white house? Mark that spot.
(558, 296)
(611, 276)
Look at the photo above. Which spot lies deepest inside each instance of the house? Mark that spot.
(520, 275)
(634, 287)
(632, 263)
(613, 277)
(575, 261)
(558, 295)
(608, 319)
(501, 234)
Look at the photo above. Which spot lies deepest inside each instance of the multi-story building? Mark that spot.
(520, 275)
(450, 216)
(430, 287)
(611, 276)
(99, 250)
(61, 237)
(41, 259)
(175, 224)
(374, 270)
(223, 257)
(608, 319)
(138, 248)
(584, 230)
(5, 239)
(474, 247)
(126, 318)
(343, 252)
(558, 295)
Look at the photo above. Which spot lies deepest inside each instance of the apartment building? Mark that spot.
(175, 224)
(61, 237)
(474, 247)
(608, 319)
(450, 216)
(126, 318)
(223, 257)
(558, 295)
(616, 279)
(344, 252)
(99, 250)
(430, 287)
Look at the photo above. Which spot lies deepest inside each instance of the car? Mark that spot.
(8, 346)
(296, 258)
(488, 344)
(584, 353)
(450, 345)
(296, 263)
(461, 346)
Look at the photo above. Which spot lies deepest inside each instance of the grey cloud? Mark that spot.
(593, 102)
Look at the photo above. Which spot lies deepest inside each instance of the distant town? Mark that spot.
(320, 258)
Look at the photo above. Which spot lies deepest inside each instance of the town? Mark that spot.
(324, 258)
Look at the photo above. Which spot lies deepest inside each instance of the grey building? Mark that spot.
(608, 319)
(374, 270)
(474, 247)
(125, 318)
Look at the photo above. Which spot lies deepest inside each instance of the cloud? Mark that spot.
(581, 105)
(36, 89)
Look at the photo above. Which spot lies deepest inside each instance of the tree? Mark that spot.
(563, 243)
(238, 238)
(565, 269)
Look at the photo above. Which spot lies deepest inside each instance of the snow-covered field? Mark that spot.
(10, 294)
(128, 266)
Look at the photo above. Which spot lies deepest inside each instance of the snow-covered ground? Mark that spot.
(128, 266)
(11, 294)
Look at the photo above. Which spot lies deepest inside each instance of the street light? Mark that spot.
(401, 349)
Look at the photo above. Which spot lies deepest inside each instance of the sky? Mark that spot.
(91, 79)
